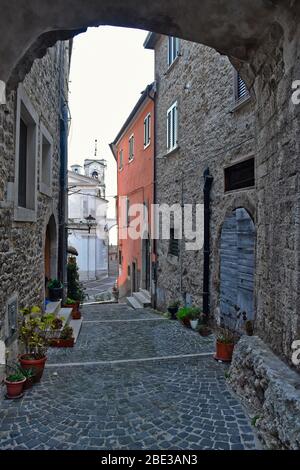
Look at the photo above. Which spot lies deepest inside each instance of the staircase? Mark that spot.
(55, 308)
(139, 299)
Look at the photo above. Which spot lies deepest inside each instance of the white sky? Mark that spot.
(109, 70)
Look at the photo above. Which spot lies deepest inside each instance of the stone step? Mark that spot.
(133, 303)
(146, 294)
(52, 308)
(66, 314)
(76, 325)
(142, 299)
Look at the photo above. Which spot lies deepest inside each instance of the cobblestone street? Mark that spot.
(133, 381)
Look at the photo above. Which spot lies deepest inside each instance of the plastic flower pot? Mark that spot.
(55, 293)
(37, 366)
(173, 311)
(14, 389)
(224, 351)
(194, 324)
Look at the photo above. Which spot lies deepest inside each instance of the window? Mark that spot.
(173, 244)
(46, 162)
(239, 176)
(127, 211)
(120, 257)
(85, 208)
(95, 175)
(121, 160)
(241, 90)
(173, 49)
(131, 148)
(26, 159)
(172, 127)
(147, 130)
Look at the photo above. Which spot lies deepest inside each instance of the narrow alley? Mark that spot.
(134, 380)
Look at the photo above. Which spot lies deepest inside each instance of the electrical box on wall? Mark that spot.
(11, 321)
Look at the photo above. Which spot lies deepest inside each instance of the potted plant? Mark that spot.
(75, 288)
(194, 317)
(55, 289)
(15, 384)
(173, 308)
(183, 316)
(204, 330)
(35, 335)
(225, 343)
(66, 339)
(71, 303)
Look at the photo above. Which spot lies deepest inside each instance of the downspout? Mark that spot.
(64, 124)
(208, 180)
(154, 241)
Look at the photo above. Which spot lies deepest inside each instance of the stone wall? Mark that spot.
(271, 390)
(212, 133)
(22, 244)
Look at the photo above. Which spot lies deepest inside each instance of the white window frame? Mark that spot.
(173, 49)
(45, 136)
(131, 148)
(27, 113)
(172, 127)
(147, 130)
(121, 160)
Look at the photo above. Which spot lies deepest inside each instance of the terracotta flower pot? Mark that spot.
(14, 389)
(76, 315)
(186, 322)
(37, 366)
(62, 343)
(224, 351)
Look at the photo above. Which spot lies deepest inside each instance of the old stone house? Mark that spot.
(204, 122)
(33, 156)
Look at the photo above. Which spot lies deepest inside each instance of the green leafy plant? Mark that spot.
(35, 332)
(54, 284)
(18, 373)
(183, 313)
(75, 289)
(67, 333)
(192, 313)
(70, 301)
(254, 420)
(57, 323)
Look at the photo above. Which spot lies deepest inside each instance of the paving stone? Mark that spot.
(171, 404)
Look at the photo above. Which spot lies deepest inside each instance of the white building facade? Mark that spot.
(88, 224)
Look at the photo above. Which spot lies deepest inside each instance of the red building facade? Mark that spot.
(133, 150)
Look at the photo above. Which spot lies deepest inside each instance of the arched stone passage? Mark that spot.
(233, 27)
(51, 250)
(237, 264)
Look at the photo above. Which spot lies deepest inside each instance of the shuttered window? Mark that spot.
(239, 176)
(147, 130)
(121, 160)
(172, 127)
(22, 188)
(131, 148)
(173, 49)
(241, 88)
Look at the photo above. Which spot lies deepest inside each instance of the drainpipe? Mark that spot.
(208, 180)
(63, 203)
(154, 241)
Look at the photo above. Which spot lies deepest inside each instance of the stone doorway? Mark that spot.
(146, 264)
(237, 256)
(50, 251)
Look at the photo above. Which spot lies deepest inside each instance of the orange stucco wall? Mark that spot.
(135, 181)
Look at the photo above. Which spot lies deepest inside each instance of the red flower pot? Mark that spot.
(186, 322)
(37, 366)
(76, 315)
(14, 389)
(224, 351)
(62, 343)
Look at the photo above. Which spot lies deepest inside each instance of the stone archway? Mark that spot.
(237, 264)
(50, 250)
(233, 27)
